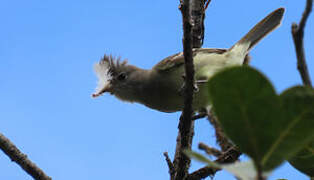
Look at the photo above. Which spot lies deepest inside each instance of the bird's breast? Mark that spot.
(165, 94)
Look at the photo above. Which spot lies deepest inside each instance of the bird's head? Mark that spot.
(115, 77)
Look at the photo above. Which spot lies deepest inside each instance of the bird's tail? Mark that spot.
(261, 29)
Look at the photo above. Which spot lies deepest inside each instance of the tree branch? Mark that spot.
(197, 20)
(21, 159)
(229, 152)
(229, 156)
(193, 36)
(172, 170)
(298, 34)
(209, 150)
(221, 139)
(207, 3)
(186, 126)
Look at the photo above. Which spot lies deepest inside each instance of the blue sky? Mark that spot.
(47, 51)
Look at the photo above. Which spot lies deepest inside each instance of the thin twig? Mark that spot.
(221, 139)
(298, 34)
(229, 156)
(209, 150)
(21, 159)
(207, 3)
(172, 170)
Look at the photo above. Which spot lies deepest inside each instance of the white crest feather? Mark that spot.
(102, 72)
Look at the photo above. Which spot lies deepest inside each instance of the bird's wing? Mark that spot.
(175, 60)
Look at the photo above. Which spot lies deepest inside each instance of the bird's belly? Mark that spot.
(170, 101)
(173, 100)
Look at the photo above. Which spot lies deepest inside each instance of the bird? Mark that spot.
(160, 87)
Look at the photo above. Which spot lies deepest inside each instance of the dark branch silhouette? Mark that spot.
(193, 28)
(227, 157)
(197, 21)
(21, 159)
(221, 139)
(209, 150)
(298, 34)
(192, 36)
(172, 170)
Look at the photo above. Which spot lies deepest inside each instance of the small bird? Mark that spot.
(160, 88)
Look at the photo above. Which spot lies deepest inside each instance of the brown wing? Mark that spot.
(177, 59)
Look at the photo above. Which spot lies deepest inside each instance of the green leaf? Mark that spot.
(304, 160)
(265, 126)
(297, 124)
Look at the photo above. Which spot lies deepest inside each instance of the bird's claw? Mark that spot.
(195, 89)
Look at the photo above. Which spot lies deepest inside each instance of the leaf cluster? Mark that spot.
(268, 127)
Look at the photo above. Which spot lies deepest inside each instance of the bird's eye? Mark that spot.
(122, 76)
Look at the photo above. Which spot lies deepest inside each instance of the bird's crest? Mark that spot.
(106, 69)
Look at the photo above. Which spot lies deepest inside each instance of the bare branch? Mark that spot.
(229, 156)
(221, 139)
(21, 159)
(298, 34)
(209, 150)
(172, 170)
(197, 20)
(181, 161)
(193, 36)
(207, 3)
(186, 128)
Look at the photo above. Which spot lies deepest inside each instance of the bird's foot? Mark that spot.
(195, 87)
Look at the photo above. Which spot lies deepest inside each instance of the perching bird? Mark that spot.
(160, 87)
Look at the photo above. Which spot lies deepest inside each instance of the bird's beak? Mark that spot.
(106, 88)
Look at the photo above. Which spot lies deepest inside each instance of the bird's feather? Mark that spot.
(178, 59)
